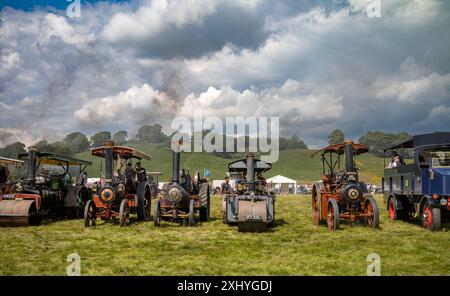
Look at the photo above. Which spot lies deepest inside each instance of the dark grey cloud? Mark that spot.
(157, 59)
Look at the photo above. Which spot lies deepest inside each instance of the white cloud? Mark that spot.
(413, 83)
(137, 105)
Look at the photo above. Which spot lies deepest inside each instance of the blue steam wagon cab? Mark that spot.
(420, 188)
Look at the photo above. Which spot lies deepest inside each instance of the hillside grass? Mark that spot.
(295, 164)
(294, 247)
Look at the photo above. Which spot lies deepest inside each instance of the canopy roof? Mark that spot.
(424, 140)
(340, 149)
(280, 179)
(241, 165)
(10, 161)
(49, 158)
(124, 152)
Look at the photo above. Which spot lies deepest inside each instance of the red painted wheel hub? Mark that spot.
(392, 210)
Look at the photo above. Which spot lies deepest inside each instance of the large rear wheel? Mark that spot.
(205, 202)
(431, 217)
(144, 206)
(333, 215)
(315, 210)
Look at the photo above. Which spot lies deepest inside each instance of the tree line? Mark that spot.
(377, 141)
(77, 142)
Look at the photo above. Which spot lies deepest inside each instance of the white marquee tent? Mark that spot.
(282, 184)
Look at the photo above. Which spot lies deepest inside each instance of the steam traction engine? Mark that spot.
(250, 206)
(340, 194)
(115, 198)
(45, 193)
(185, 199)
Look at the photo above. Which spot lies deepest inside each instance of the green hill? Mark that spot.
(295, 164)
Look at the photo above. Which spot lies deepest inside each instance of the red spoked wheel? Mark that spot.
(392, 209)
(431, 217)
(371, 213)
(333, 215)
(315, 209)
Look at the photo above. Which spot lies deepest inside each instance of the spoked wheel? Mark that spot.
(392, 209)
(431, 217)
(124, 213)
(191, 220)
(90, 214)
(315, 209)
(157, 213)
(371, 213)
(333, 215)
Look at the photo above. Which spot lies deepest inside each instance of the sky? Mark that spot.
(318, 65)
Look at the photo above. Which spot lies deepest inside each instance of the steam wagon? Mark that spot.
(420, 188)
(115, 197)
(47, 190)
(250, 205)
(5, 181)
(185, 199)
(340, 195)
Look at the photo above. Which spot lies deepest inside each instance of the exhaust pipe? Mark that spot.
(349, 165)
(251, 171)
(109, 160)
(176, 163)
(31, 168)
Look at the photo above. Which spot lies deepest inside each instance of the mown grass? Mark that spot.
(294, 247)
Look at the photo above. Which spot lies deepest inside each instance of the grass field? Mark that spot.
(294, 247)
(295, 164)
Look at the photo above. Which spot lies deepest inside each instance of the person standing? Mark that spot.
(225, 187)
(141, 173)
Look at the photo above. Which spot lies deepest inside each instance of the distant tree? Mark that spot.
(59, 147)
(337, 136)
(150, 134)
(120, 137)
(377, 141)
(99, 138)
(78, 142)
(12, 150)
(296, 143)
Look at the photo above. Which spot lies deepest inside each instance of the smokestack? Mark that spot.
(109, 160)
(251, 171)
(176, 162)
(31, 169)
(349, 166)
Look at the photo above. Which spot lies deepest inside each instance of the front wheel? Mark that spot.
(333, 215)
(431, 217)
(124, 213)
(191, 220)
(157, 214)
(90, 214)
(371, 213)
